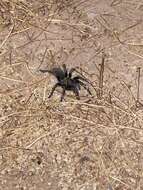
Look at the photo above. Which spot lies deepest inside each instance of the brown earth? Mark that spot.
(95, 143)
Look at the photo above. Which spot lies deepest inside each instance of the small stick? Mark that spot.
(10, 57)
(44, 55)
(6, 38)
(115, 3)
(101, 75)
(138, 83)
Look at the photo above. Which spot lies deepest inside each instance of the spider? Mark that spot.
(66, 81)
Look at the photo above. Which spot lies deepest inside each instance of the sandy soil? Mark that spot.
(95, 143)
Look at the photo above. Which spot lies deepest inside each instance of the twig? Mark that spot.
(38, 139)
(101, 75)
(13, 80)
(131, 26)
(4, 41)
(10, 57)
(43, 58)
(13, 147)
(138, 84)
(43, 136)
(115, 2)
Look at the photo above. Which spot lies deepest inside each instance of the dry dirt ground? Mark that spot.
(95, 143)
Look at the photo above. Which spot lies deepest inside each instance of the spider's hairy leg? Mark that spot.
(44, 70)
(80, 78)
(65, 70)
(76, 92)
(63, 94)
(85, 87)
(53, 89)
(71, 72)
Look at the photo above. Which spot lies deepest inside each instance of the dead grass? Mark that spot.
(94, 143)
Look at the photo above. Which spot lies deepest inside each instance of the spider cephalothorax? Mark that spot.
(66, 82)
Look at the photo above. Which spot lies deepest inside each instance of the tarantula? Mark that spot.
(66, 82)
